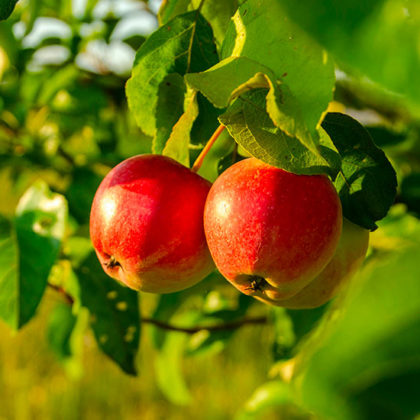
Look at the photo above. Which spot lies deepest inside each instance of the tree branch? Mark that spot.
(232, 325)
(219, 327)
(69, 299)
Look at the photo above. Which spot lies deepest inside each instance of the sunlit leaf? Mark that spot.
(375, 341)
(29, 246)
(250, 125)
(181, 46)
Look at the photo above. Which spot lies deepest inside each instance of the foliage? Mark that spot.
(289, 83)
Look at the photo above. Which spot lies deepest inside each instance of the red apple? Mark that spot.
(146, 225)
(270, 232)
(348, 258)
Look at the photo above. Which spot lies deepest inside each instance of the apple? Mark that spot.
(271, 232)
(146, 225)
(348, 258)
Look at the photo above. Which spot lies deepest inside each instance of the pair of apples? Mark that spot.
(276, 236)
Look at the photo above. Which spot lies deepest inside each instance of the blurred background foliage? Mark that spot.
(64, 123)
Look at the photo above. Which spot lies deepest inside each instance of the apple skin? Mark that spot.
(348, 258)
(146, 225)
(270, 232)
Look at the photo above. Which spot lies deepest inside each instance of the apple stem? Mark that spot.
(199, 161)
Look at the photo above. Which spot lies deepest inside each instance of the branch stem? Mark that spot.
(219, 327)
(232, 325)
(199, 161)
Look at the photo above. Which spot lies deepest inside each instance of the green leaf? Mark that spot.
(84, 184)
(6, 8)
(61, 79)
(216, 311)
(168, 362)
(235, 75)
(367, 182)
(28, 249)
(250, 125)
(59, 331)
(169, 9)
(169, 109)
(114, 312)
(373, 343)
(183, 45)
(166, 307)
(216, 12)
(261, 31)
(177, 146)
(410, 192)
(378, 38)
(269, 395)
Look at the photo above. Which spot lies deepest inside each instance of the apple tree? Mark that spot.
(325, 91)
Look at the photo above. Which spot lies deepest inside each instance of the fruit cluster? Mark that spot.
(276, 236)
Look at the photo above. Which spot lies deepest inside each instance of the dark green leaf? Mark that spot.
(410, 192)
(60, 328)
(169, 110)
(367, 182)
(216, 12)
(183, 45)
(114, 312)
(6, 8)
(250, 125)
(28, 250)
(80, 194)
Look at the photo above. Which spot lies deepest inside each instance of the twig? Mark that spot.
(199, 161)
(259, 320)
(219, 327)
(69, 299)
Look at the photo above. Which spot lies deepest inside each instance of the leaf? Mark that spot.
(377, 38)
(367, 182)
(28, 249)
(177, 146)
(60, 329)
(169, 9)
(269, 395)
(6, 8)
(250, 125)
(217, 13)
(169, 109)
(61, 79)
(235, 75)
(167, 305)
(373, 342)
(261, 31)
(168, 362)
(410, 192)
(80, 193)
(184, 44)
(114, 312)
(217, 312)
